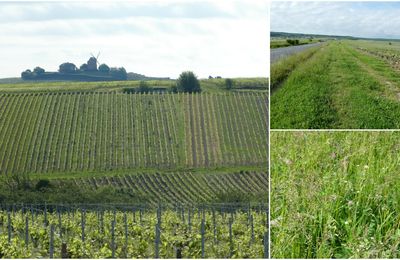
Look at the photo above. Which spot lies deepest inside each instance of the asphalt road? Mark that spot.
(280, 53)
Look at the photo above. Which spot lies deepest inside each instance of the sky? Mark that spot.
(360, 19)
(227, 38)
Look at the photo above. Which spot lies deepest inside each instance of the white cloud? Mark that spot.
(228, 39)
(362, 19)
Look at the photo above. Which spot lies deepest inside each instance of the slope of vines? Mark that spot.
(186, 188)
(82, 132)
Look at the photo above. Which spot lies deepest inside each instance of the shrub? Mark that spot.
(293, 42)
(83, 67)
(144, 87)
(27, 74)
(42, 184)
(67, 67)
(229, 84)
(38, 70)
(119, 73)
(104, 68)
(188, 82)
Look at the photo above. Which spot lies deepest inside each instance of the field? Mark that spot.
(208, 86)
(103, 143)
(135, 232)
(282, 42)
(340, 85)
(81, 132)
(335, 195)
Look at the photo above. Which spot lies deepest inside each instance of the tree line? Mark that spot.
(68, 68)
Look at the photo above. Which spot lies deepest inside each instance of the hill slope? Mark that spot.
(91, 132)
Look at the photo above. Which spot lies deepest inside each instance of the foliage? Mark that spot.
(42, 184)
(83, 67)
(229, 84)
(118, 73)
(27, 74)
(143, 87)
(104, 68)
(293, 41)
(51, 192)
(134, 233)
(67, 67)
(188, 82)
(38, 70)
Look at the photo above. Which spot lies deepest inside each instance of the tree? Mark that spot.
(27, 74)
(104, 68)
(228, 84)
(144, 87)
(188, 82)
(293, 42)
(38, 70)
(83, 67)
(67, 67)
(119, 73)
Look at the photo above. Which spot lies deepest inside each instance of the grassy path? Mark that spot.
(338, 87)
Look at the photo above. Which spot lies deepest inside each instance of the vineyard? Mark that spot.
(185, 187)
(91, 132)
(134, 232)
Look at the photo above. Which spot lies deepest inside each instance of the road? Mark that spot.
(280, 53)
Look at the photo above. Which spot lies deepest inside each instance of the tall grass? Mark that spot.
(335, 195)
(282, 69)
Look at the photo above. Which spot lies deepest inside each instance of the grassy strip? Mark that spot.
(213, 85)
(335, 195)
(360, 97)
(336, 88)
(282, 69)
(304, 101)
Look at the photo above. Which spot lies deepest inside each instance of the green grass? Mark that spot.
(283, 67)
(338, 87)
(207, 85)
(335, 194)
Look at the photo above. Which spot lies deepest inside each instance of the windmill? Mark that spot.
(92, 62)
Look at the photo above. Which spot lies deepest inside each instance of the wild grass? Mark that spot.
(338, 87)
(335, 195)
(282, 69)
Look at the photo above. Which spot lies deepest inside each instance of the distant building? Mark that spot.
(92, 64)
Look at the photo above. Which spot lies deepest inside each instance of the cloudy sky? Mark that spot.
(156, 38)
(362, 19)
